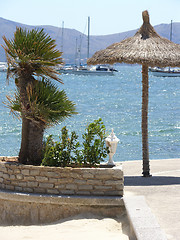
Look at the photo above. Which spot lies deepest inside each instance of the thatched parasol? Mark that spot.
(147, 48)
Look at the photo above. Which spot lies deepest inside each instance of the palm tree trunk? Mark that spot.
(24, 79)
(144, 123)
(35, 143)
(32, 134)
(23, 154)
(31, 143)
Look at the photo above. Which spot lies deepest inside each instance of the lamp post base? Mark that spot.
(111, 162)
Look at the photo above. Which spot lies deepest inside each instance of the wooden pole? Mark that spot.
(144, 123)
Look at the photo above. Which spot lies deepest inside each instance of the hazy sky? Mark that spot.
(107, 16)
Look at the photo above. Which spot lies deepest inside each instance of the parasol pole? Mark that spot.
(144, 123)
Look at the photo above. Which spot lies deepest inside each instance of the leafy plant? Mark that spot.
(63, 153)
(69, 151)
(94, 150)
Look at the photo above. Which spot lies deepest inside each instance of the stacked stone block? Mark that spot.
(60, 181)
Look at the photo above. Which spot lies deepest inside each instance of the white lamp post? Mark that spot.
(111, 142)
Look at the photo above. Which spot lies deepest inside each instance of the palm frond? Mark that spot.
(47, 105)
(34, 50)
(14, 105)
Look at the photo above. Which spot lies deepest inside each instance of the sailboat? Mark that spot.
(86, 70)
(167, 71)
(83, 70)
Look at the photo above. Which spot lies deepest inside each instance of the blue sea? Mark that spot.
(117, 100)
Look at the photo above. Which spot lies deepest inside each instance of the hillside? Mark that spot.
(72, 38)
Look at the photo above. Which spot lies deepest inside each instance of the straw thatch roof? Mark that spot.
(145, 47)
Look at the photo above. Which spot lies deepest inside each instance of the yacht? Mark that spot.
(165, 72)
(3, 66)
(85, 70)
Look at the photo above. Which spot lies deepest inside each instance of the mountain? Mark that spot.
(73, 39)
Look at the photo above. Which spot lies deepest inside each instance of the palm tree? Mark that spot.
(47, 107)
(30, 54)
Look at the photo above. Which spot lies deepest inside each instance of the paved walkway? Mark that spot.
(161, 191)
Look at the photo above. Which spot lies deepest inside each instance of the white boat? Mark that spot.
(98, 70)
(86, 70)
(165, 72)
(3, 67)
(66, 69)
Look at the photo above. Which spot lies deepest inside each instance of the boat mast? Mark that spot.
(170, 38)
(171, 32)
(76, 53)
(79, 50)
(88, 37)
(62, 36)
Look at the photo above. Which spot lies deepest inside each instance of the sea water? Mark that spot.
(117, 100)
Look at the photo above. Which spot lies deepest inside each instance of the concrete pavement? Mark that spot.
(161, 191)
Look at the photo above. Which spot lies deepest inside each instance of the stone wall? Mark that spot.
(60, 181)
(24, 209)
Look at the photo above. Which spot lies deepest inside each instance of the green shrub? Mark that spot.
(63, 153)
(69, 152)
(94, 150)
